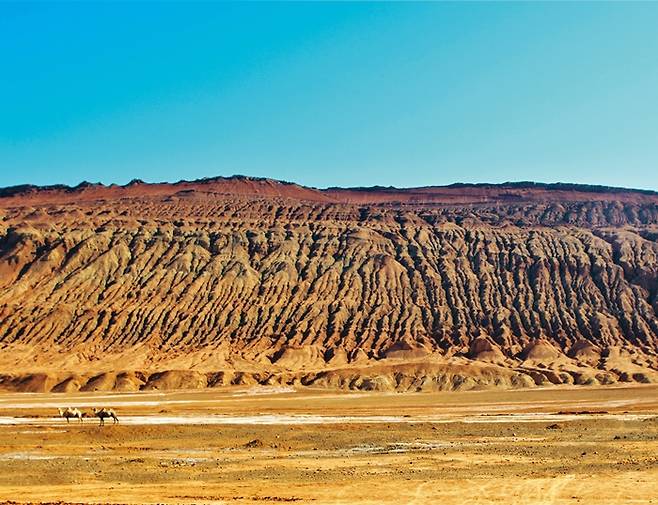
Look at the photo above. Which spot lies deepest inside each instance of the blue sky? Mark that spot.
(327, 94)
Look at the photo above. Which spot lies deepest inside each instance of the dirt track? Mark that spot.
(532, 446)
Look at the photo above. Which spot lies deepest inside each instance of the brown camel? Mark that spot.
(105, 413)
(69, 412)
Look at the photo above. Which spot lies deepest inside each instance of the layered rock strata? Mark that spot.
(252, 281)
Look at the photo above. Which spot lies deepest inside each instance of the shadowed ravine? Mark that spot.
(245, 281)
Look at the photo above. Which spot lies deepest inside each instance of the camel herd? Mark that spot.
(73, 413)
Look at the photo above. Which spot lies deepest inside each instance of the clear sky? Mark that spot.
(326, 94)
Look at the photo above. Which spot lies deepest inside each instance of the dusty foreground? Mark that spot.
(582, 445)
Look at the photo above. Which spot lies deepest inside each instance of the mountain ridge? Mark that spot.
(254, 281)
(25, 189)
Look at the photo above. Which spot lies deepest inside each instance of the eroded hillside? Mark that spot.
(250, 281)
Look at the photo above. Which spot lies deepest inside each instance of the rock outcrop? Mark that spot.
(252, 281)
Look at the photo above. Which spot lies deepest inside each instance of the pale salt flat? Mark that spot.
(269, 419)
(265, 390)
(143, 400)
(21, 456)
(548, 418)
(301, 419)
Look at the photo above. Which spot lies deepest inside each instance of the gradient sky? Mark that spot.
(326, 94)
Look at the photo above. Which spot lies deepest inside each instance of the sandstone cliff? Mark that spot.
(246, 281)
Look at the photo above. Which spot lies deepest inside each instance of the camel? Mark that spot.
(69, 412)
(104, 413)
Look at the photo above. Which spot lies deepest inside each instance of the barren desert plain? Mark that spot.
(559, 445)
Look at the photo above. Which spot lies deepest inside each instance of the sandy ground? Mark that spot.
(544, 446)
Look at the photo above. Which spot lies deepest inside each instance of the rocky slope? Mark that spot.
(246, 281)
